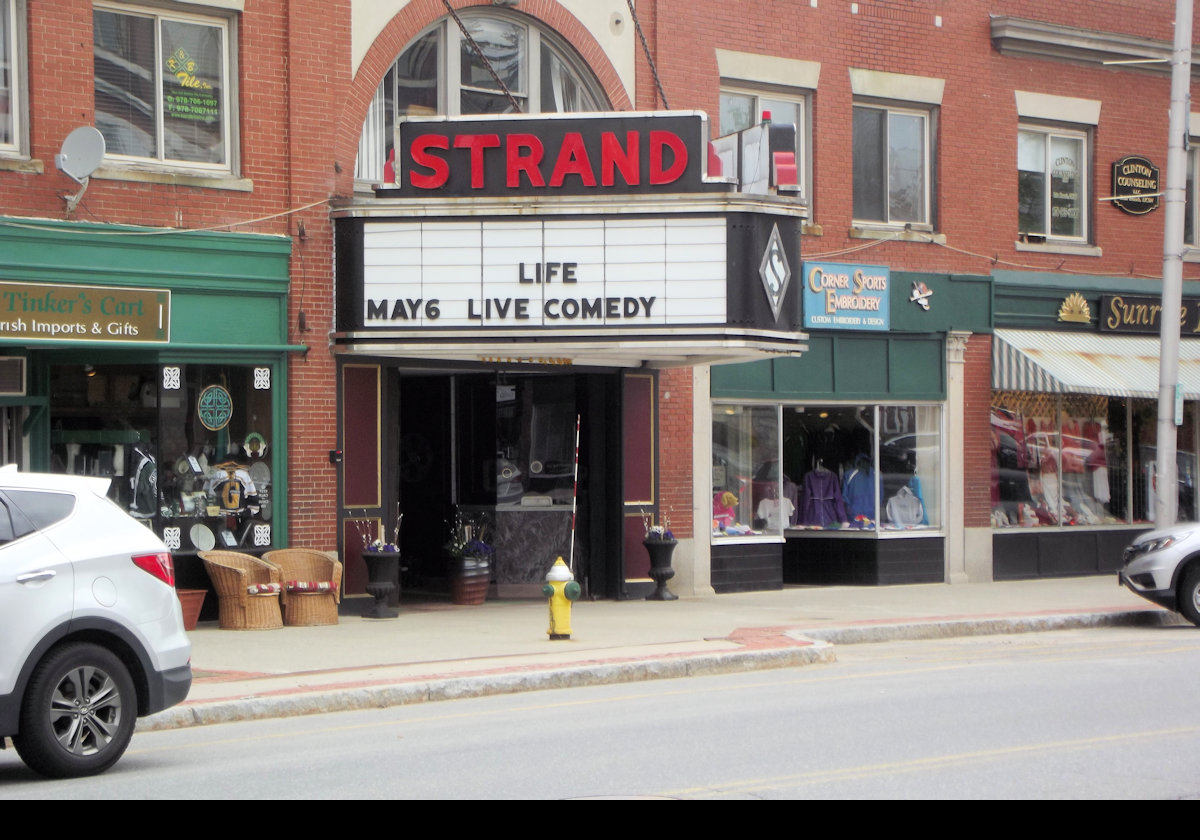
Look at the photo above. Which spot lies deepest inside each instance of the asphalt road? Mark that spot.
(1098, 713)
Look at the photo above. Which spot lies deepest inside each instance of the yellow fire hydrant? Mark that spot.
(561, 589)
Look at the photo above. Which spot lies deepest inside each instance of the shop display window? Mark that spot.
(186, 447)
(859, 467)
(748, 495)
(864, 467)
(1077, 460)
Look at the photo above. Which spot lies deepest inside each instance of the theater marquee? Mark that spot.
(581, 240)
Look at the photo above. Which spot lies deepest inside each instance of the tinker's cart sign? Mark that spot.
(840, 296)
(578, 155)
(63, 312)
(1135, 185)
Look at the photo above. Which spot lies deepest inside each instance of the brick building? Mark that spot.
(225, 195)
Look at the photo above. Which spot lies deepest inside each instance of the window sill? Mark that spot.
(175, 177)
(1191, 254)
(33, 166)
(1052, 247)
(910, 233)
(812, 230)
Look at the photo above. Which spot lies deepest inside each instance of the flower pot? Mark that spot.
(192, 601)
(470, 578)
(383, 569)
(660, 552)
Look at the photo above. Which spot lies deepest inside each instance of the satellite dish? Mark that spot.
(82, 153)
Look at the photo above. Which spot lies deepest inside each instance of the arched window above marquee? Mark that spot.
(439, 73)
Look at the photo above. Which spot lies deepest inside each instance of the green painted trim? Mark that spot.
(227, 289)
(127, 256)
(1031, 299)
(859, 366)
(280, 486)
(959, 302)
(165, 352)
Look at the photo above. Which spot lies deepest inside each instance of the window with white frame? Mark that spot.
(892, 165)
(1052, 181)
(162, 86)
(743, 108)
(440, 73)
(11, 73)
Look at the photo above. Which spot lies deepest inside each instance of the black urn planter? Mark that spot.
(660, 552)
(383, 569)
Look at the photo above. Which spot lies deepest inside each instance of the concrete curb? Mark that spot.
(482, 685)
(808, 646)
(999, 626)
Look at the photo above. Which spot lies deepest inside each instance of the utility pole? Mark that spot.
(1170, 412)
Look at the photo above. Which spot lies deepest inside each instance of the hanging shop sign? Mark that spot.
(62, 312)
(1143, 314)
(1135, 185)
(518, 155)
(841, 296)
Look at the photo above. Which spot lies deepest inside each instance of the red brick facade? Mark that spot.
(300, 113)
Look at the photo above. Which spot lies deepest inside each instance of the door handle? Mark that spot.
(36, 577)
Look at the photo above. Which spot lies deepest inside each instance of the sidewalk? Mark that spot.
(437, 651)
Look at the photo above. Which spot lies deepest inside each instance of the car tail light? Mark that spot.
(159, 564)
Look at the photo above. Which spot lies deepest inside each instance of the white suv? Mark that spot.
(1164, 567)
(91, 629)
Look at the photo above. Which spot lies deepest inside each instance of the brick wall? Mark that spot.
(675, 448)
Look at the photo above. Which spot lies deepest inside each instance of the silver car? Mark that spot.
(91, 626)
(1164, 567)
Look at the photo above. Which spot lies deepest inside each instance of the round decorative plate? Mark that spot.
(260, 474)
(202, 537)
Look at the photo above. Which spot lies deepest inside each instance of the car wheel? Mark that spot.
(1189, 594)
(78, 714)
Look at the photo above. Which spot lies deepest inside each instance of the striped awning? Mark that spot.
(1080, 363)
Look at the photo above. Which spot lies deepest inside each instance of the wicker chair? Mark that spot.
(312, 586)
(234, 575)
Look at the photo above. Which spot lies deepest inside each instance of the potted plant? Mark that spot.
(383, 566)
(660, 545)
(470, 558)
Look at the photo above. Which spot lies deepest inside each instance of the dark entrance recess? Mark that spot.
(499, 444)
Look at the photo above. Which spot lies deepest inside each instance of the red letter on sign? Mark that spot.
(439, 170)
(659, 139)
(573, 160)
(477, 143)
(612, 157)
(527, 163)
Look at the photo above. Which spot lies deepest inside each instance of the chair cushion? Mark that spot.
(264, 589)
(310, 586)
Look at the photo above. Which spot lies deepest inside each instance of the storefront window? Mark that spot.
(186, 447)
(863, 467)
(1081, 460)
(748, 496)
